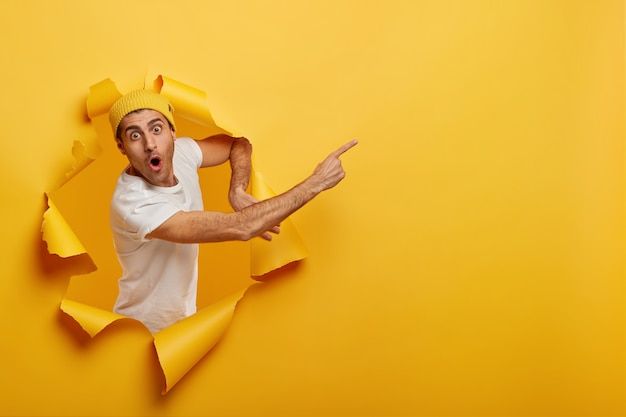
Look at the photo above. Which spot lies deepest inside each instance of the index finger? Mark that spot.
(344, 148)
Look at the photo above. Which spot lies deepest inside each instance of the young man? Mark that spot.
(157, 215)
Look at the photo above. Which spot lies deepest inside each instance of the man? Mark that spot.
(157, 215)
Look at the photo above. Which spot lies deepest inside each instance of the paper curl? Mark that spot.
(284, 248)
(183, 344)
(180, 346)
(101, 97)
(58, 235)
(189, 102)
(92, 319)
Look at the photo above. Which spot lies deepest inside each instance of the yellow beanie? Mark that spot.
(136, 100)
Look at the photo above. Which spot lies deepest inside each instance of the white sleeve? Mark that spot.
(190, 150)
(147, 216)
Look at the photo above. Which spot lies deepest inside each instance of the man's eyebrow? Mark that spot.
(131, 127)
(156, 119)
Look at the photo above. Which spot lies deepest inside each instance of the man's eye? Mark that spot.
(135, 135)
(156, 129)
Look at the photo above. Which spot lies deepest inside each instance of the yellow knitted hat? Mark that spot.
(136, 100)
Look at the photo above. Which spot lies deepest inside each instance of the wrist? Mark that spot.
(314, 184)
(236, 191)
(234, 195)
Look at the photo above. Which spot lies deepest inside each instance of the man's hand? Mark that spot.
(240, 199)
(329, 172)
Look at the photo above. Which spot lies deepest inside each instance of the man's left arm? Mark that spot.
(218, 149)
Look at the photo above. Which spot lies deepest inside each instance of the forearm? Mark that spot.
(207, 226)
(252, 220)
(240, 155)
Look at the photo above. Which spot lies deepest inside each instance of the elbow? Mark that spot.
(244, 142)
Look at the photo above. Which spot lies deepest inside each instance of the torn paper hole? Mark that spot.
(180, 346)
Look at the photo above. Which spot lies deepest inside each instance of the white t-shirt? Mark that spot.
(159, 278)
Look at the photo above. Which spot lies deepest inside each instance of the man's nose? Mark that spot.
(150, 143)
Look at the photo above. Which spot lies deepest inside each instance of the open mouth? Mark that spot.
(155, 163)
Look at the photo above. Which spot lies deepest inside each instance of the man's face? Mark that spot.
(148, 142)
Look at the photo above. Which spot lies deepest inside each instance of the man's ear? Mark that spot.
(120, 146)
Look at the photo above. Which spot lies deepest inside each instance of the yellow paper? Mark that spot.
(470, 264)
(101, 97)
(92, 319)
(188, 102)
(82, 158)
(58, 235)
(284, 248)
(184, 343)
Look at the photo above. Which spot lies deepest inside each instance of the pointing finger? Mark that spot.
(344, 148)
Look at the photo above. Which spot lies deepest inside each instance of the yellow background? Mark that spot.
(471, 263)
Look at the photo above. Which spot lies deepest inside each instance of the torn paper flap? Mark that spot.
(101, 97)
(82, 158)
(188, 102)
(284, 248)
(181, 345)
(92, 319)
(57, 233)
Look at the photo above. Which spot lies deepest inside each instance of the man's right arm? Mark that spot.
(207, 226)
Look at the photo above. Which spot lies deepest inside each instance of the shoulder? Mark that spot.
(129, 191)
(188, 149)
(137, 208)
(185, 143)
